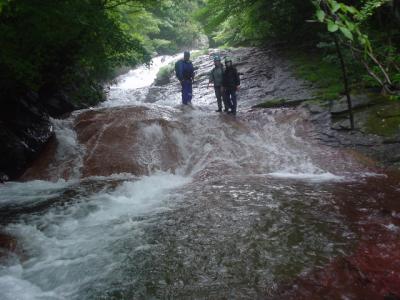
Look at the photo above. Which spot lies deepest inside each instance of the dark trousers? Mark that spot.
(187, 91)
(231, 99)
(220, 98)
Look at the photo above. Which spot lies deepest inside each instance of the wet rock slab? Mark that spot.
(7, 243)
(128, 140)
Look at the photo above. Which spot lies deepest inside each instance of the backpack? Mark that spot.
(183, 72)
(177, 69)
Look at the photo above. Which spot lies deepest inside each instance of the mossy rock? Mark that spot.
(273, 103)
(359, 102)
(164, 74)
(277, 103)
(384, 121)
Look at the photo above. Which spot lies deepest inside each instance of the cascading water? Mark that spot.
(155, 200)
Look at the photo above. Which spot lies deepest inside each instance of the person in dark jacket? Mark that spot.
(231, 84)
(185, 73)
(216, 76)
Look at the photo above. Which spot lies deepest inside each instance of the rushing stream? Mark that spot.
(145, 199)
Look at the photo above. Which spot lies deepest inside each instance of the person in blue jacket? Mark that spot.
(184, 71)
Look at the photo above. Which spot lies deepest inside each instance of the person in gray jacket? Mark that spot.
(216, 77)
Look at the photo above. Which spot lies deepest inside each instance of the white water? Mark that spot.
(132, 88)
(84, 246)
(70, 247)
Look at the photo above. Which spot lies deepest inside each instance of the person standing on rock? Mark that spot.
(184, 71)
(231, 84)
(216, 76)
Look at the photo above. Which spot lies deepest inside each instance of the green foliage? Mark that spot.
(76, 45)
(369, 28)
(277, 103)
(381, 66)
(175, 25)
(236, 22)
(322, 72)
(164, 27)
(343, 18)
(49, 45)
(384, 120)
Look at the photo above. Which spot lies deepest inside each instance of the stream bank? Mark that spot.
(376, 117)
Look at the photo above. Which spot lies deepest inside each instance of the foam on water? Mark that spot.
(132, 88)
(145, 75)
(20, 193)
(69, 155)
(71, 246)
(316, 177)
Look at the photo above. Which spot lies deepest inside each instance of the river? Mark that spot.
(142, 198)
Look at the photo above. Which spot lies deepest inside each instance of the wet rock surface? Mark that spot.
(332, 127)
(372, 271)
(116, 142)
(7, 243)
(371, 113)
(24, 129)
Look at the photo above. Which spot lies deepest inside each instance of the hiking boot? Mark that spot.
(218, 110)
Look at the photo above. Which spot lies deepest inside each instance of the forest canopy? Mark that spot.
(48, 45)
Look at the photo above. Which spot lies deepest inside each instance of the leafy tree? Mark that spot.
(177, 29)
(256, 21)
(48, 45)
(348, 20)
(75, 45)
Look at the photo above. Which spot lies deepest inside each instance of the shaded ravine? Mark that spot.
(143, 198)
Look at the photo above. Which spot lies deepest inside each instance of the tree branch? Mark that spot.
(388, 81)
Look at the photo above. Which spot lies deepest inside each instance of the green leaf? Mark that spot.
(347, 33)
(320, 15)
(351, 10)
(350, 25)
(362, 40)
(332, 27)
(335, 6)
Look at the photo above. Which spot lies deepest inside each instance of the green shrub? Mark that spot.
(164, 74)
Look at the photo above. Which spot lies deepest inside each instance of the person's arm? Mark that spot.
(178, 70)
(211, 78)
(237, 79)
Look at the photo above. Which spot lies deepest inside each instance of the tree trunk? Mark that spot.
(345, 81)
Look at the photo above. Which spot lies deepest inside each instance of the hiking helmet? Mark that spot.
(217, 58)
(228, 59)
